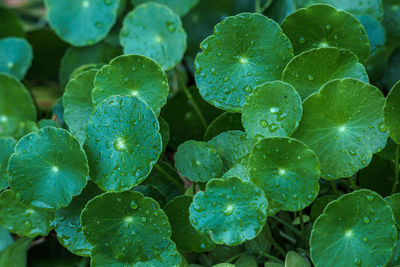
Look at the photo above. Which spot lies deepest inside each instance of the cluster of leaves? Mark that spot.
(276, 144)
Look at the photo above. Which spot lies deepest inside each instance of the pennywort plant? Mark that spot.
(200, 133)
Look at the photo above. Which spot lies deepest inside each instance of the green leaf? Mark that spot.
(230, 211)
(246, 260)
(132, 75)
(7, 145)
(149, 190)
(68, 222)
(373, 8)
(346, 116)
(183, 233)
(120, 129)
(310, 70)
(358, 228)
(245, 51)
(240, 170)
(198, 161)
(10, 24)
(75, 57)
(223, 123)
(160, 37)
(260, 245)
(22, 219)
(394, 203)
(233, 146)
(77, 101)
(5, 238)
(391, 112)
(165, 132)
(288, 172)
(15, 56)
(273, 109)
(180, 7)
(391, 17)
(293, 259)
(47, 122)
(15, 254)
(325, 26)
(126, 227)
(51, 158)
(319, 205)
(375, 31)
(83, 22)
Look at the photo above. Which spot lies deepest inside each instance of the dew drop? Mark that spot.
(302, 40)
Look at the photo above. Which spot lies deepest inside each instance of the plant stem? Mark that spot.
(84, 262)
(334, 188)
(396, 170)
(303, 232)
(194, 104)
(166, 174)
(257, 6)
(276, 246)
(291, 227)
(352, 183)
(194, 188)
(269, 256)
(235, 257)
(261, 9)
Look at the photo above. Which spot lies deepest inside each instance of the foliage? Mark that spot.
(199, 133)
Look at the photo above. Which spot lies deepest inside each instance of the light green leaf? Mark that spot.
(273, 109)
(288, 172)
(68, 222)
(132, 75)
(358, 228)
(391, 112)
(343, 125)
(180, 7)
(160, 37)
(198, 161)
(223, 123)
(15, 255)
(310, 70)
(77, 101)
(82, 22)
(183, 233)
(126, 227)
(245, 51)
(120, 129)
(15, 56)
(7, 145)
(325, 26)
(21, 219)
(48, 168)
(230, 211)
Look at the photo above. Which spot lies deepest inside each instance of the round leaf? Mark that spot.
(223, 123)
(273, 109)
(180, 7)
(183, 233)
(375, 31)
(230, 211)
(126, 227)
(49, 159)
(159, 37)
(310, 70)
(123, 142)
(198, 161)
(68, 222)
(21, 219)
(7, 145)
(343, 125)
(391, 112)
(81, 22)
(394, 203)
(77, 101)
(10, 24)
(15, 56)
(325, 26)
(165, 132)
(132, 75)
(358, 228)
(246, 50)
(288, 172)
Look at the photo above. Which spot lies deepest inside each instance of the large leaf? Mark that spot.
(325, 26)
(132, 75)
(48, 168)
(15, 56)
(358, 229)
(123, 142)
(343, 125)
(126, 227)
(180, 7)
(310, 70)
(273, 109)
(7, 145)
(391, 112)
(230, 211)
(288, 172)
(246, 50)
(160, 37)
(82, 22)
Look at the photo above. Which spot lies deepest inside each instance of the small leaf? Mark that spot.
(223, 123)
(5, 238)
(293, 259)
(51, 158)
(120, 129)
(391, 112)
(16, 56)
(230, 211)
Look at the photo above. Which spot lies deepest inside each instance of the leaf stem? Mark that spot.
(269, 256)
(194, 188)
(352, 183)
(194, 104)
(334, 188)
(303, 232)
(261, 9)
(235, 257)
(291, 227)
(167, 175)
(276, 246)
(396, 170)
(83, 262)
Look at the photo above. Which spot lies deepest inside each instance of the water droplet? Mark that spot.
(328, 27)
(170, 26)
(365, 239)
(99, 24)
(366, 220)
(133, 205)
(310, 77)
(302, 40)
(370, 197)
(273, 127)
(263, 123)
